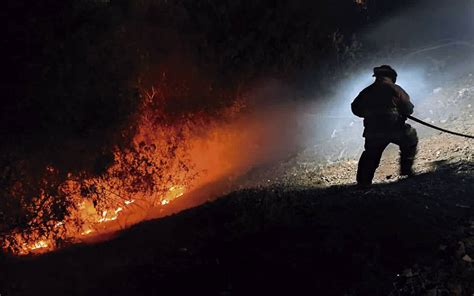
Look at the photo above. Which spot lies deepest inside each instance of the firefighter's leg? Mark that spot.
(370, 160)
(408, 143)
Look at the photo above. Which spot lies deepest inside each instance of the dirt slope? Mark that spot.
(302, 229)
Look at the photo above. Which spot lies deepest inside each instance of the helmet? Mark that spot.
(385, 71)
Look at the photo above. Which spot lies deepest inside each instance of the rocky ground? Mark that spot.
(299, 227)
(334, 162)
(450, 273)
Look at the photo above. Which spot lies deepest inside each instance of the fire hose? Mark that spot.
(438, 128)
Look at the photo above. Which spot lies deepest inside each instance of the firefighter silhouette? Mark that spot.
(384, 106)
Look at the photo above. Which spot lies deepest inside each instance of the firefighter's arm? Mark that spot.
(404, 105)
(357, 107)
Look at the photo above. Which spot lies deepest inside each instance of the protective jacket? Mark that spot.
(384, 106)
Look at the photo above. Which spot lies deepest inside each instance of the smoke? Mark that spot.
(431, 47)
(428, 44)
(277, 121)
(426, 23)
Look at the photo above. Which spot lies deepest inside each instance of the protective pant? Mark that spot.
(406, 138)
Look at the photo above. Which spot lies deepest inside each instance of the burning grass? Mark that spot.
(166, 159)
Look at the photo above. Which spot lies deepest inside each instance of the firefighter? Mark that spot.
(384, 106)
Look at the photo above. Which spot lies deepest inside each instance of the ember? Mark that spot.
(164, 162)
(155, 171)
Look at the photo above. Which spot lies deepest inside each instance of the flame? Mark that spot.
(117, 199)
(39, 245)
(152, 173)
(86, 232)
(168, 160)
(173, 193)
(92, 220)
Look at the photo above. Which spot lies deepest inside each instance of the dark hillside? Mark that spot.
(334, 241)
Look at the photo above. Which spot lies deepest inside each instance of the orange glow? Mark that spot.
(165, 162)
